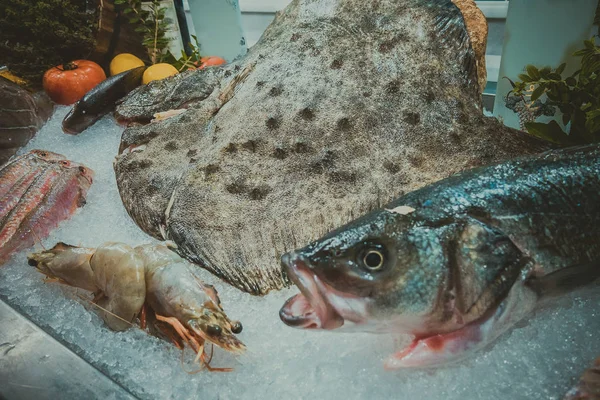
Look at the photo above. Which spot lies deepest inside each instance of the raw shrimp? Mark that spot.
(123, 278)
(113, 272)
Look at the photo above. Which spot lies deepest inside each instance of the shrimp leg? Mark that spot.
(197, 345)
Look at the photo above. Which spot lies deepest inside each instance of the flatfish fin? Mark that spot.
(566, 279)
(452, 33)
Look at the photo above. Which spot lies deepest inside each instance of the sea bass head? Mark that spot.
(400, 270)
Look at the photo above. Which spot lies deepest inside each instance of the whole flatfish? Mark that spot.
(458, 262)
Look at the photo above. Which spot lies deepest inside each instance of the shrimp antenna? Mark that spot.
(106, 311)
(37, 239)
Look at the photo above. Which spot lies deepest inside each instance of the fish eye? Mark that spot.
(65, 163)
(82, 170)
(213, 330)
(236, 326)
(373, 260)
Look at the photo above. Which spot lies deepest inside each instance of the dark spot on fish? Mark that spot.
(366, 94)
(391, 167)
(279, 153)
(295, 37)
(371, 121)
(301, 147)
(261, 56)
(412, 118)
(307, 114)
(217, 128)
(151, 189)
(326, 162)
(275, 91)
(259, 193)
(236, 188)
(429, 97)
(415, 161)
(250, 145)
(392, 87)
(368, 24)
(337, 64)
(272, 123)
(227, 74)
(193, 160)
(455, 136)
(260, 84)
(237, 68)
(140, 164)
(231, 148)
(210, 169)
(310, 43)
(342, 177)
(315, 52)
(387, 46)
(191, 153)
(343, 124)
(171, 146)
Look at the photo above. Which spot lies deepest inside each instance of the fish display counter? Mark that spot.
(306, 221)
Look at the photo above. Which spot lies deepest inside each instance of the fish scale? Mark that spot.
(11, 199)
(27, 203)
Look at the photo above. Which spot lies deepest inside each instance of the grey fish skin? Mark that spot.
(101, 100)
(458, 262)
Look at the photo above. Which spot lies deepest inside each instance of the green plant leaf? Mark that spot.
(554, 76)
(533, 72)
(525, 78)
(592, 123)
(545, 73)
(550, 131)
(537, 93)
(571, 81)
(561, 68)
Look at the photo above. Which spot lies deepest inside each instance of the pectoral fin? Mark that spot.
(566, 279)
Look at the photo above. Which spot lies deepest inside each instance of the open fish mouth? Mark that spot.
(309, 309)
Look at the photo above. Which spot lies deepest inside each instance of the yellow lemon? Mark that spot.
(124, 62)
(158, 71)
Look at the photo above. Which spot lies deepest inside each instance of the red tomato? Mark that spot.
(66, 84)
(211, 61)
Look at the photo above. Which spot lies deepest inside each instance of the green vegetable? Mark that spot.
(151, 23)
(576, 96)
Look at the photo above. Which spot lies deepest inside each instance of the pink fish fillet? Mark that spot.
(38, 190)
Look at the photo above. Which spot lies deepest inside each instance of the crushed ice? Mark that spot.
(539, 360)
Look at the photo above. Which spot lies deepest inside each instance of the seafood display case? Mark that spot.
(326, 213)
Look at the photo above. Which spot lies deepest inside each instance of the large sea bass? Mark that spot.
(458, 262)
